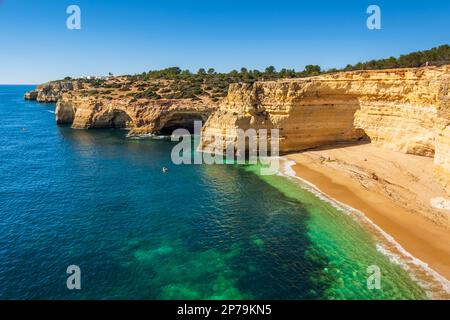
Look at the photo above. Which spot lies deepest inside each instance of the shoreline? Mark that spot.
(420, 238)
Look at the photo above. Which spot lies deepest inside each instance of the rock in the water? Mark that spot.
(31, 95)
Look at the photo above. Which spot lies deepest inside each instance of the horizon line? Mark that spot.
(19, 84)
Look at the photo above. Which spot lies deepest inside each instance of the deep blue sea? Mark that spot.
(98, 199)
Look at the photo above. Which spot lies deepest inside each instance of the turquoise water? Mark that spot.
(99, 200)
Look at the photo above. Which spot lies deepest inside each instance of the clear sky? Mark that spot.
(125, 37)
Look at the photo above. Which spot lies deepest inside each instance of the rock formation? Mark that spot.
(405, 110)
(143, 116)
(52, 91)
(88, 105)
(31, 95)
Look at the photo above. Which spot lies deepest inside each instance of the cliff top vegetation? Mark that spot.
(175, 83)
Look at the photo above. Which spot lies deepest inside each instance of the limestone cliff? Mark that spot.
(141, 116)
(406, 110)
(52, 91)
(112, 103)
(31, 95)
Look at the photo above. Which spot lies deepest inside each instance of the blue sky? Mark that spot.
(132, 36)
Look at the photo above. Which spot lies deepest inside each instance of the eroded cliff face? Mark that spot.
(405, 110)
(143, 116)
(52, 91)
(111, 103)
(442, 137)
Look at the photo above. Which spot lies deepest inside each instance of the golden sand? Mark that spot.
(393, 189)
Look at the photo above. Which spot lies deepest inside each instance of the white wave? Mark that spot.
(156, 137)
(140, 136)
(148, 136)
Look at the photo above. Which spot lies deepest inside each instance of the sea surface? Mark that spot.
(98, 199)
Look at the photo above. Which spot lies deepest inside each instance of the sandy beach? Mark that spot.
(393, 189)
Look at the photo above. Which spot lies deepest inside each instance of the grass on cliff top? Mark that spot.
(174, 83)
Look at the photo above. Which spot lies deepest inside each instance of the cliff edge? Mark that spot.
(404, 110)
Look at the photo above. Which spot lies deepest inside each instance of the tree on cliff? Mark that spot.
(312, 69)
(435, 56)
(270, 70)
(185, 84)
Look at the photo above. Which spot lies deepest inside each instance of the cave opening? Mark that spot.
(181, 122)
(121, 120)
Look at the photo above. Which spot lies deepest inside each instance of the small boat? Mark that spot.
(165, 170)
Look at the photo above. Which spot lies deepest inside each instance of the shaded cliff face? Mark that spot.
(405, 110)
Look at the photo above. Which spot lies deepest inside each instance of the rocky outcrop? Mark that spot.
(96, 107)
(31, 95)
(52, 91)
(143, 116)
(406, 110)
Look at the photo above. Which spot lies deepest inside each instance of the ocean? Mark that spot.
(99, 200)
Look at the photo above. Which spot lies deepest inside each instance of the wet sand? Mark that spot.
(393, 189)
